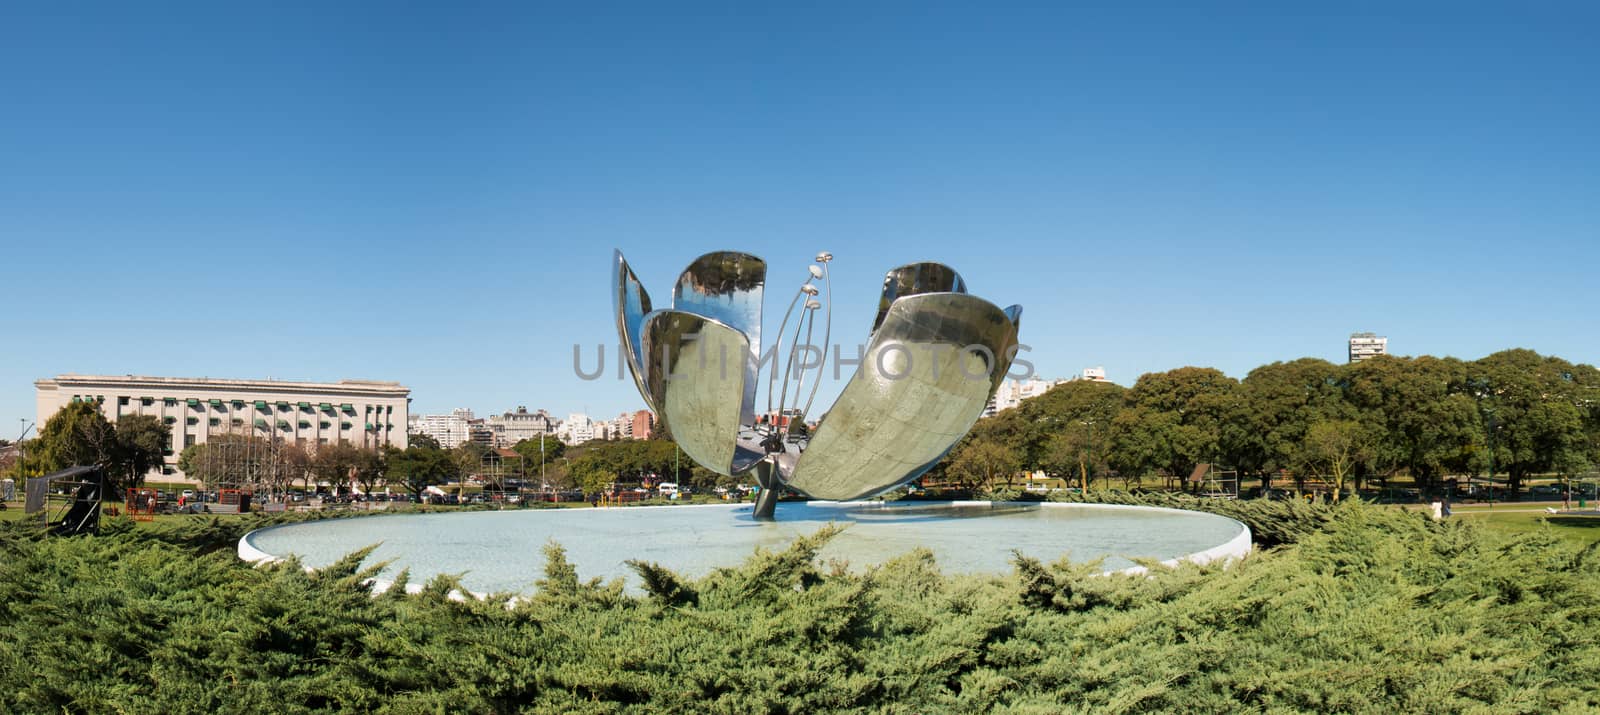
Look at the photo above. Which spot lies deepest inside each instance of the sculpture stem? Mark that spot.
(767, 498)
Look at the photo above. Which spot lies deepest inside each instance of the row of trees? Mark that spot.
(79, 435)
(1515, 413)
(278, 465)
(135, 445)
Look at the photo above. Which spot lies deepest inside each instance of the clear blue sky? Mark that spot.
(431, 194)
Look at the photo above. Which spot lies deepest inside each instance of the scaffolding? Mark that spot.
(1212, 482)
(245, 462)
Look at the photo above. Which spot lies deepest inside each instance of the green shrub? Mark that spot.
(1355, 608)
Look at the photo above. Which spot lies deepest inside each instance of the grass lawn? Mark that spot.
(1572, 529)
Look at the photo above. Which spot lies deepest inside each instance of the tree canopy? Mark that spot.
(78, 434)
(1515, 412)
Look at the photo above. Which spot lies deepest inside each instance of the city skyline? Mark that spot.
(432, 198)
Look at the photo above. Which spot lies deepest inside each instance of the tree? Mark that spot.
(1177, 418)
(418, 439)
(981, 463)
(1533, 410)
(1277, 404)
(9, 458)
(1334, 448)
(1142, 441)
(1419, 417)
(1072, 451)
(592, 473)
(339, 464)
(416, 468)
(530, 449)
(1078, 413)
(468, 458)
(77, 435)
(141, 446)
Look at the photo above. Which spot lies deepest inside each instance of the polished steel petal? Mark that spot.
(694, 375)
(932, 365)
(1015, 314)
(916, 279)
(727, 287)
(631, 303)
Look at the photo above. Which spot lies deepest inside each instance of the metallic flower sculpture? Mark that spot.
(935, 356)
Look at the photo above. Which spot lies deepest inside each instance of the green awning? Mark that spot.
(344, 425)
(305, 425)
(305, 405)
(238, 404)
(347, 407)
(261, 423)
(170, 420)
(193, 402)
(215, 403)
(261, 404)
(325, 406)
(282, 404)
(283, 424)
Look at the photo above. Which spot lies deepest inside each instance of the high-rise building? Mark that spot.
(1011, 393)
(449, 430)
(577, 429)
(1367, 345)
(360, 412)
(643, 425)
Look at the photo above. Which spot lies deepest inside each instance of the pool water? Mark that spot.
(502, 551)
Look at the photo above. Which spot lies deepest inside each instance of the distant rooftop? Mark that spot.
(217, 382)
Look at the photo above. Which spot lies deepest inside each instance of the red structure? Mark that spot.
(141, 504)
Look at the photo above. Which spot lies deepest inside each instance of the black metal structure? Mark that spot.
(78, 513)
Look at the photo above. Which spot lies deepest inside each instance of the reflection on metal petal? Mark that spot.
(916, 279)
(694, 375)
(933, 363)
(1015, 314)
(727, 286)
(631, 302)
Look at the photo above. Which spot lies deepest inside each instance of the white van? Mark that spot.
(668, 489)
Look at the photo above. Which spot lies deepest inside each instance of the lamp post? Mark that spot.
(22, 455)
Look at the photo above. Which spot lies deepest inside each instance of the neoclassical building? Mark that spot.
(361, 412)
